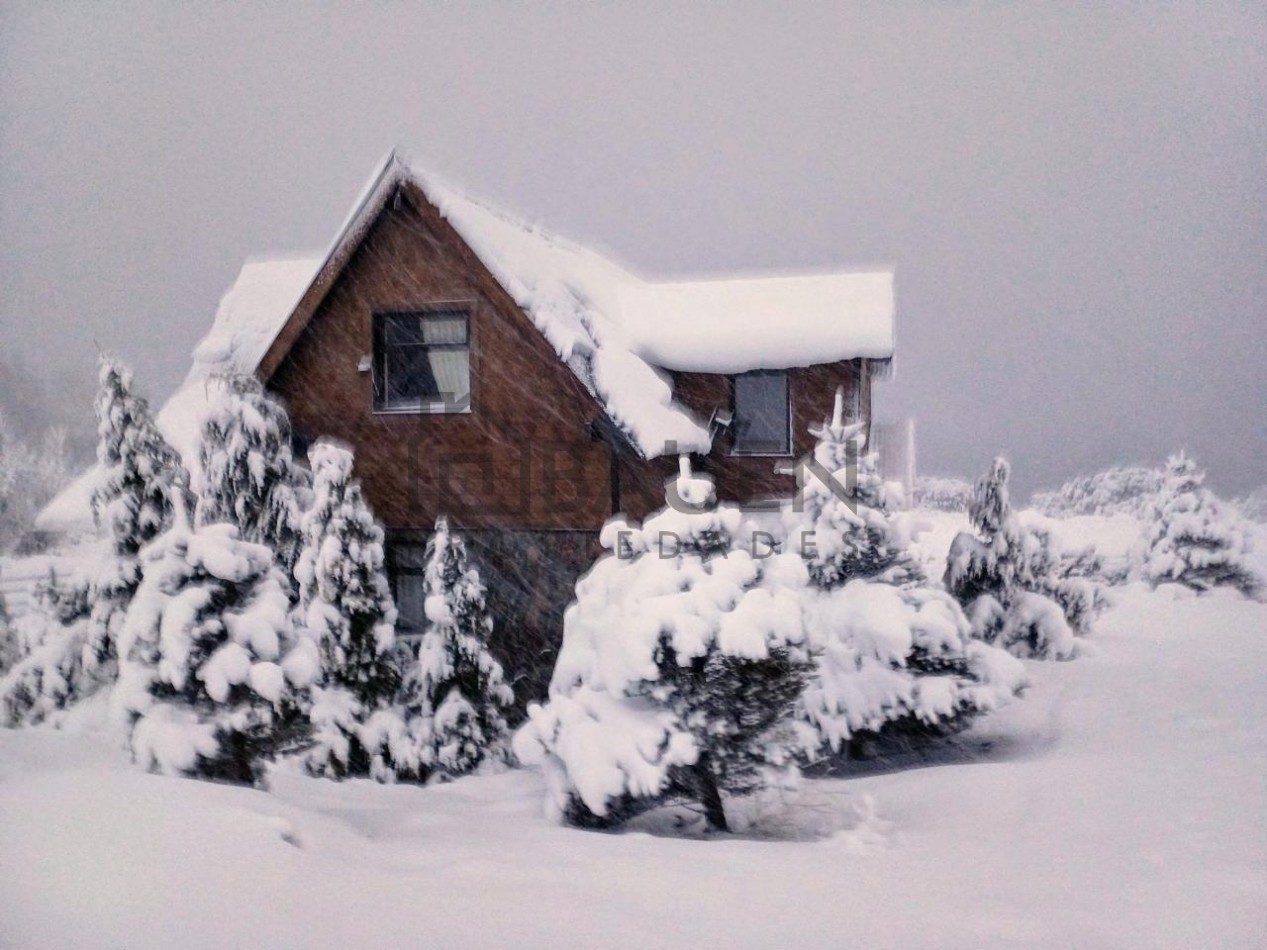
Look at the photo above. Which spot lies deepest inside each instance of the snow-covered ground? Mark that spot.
(1122, 803)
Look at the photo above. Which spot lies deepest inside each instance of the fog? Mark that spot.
(1073, 198)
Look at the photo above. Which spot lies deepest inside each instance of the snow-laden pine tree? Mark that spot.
(69, 636)
(248, 477)
(892, 653)
(1192, 539)
(211, 672)
(141, 485)
(682, 662)
(457, 684)
(346, 607)
(1003, 576)
(48, 642)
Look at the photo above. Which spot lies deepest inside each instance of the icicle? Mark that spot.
(684, 466)
(837, 415)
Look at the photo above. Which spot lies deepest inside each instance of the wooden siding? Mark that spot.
(521, 458)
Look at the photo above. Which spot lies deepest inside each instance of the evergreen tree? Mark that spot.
(681, 664)
(457, 684)
(134, 502)
(1003, 577)
(346, 606)
(1192, 540)
(47, 649)
(893, 654)
(841, 521)
(248, 476)
(211, 672)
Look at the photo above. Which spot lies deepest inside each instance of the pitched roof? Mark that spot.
(617, 331)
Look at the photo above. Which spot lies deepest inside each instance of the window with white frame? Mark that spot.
(422, 361)
(762, 418)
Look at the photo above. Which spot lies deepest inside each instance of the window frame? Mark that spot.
(378, 353)
(789, 450)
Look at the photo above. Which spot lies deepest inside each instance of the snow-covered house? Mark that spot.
(526, 386)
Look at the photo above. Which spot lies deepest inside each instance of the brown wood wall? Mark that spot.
(522, 458)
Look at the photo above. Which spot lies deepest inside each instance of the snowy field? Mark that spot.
(1121, 803)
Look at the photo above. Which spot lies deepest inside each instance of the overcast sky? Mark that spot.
(1074, 198)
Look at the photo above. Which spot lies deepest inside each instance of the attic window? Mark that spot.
(762, 413)
(422, 361)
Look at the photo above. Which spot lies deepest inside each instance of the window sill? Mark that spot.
(761, 455)
(423, 411)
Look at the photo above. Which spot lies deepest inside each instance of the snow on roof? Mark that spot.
(729, 326)
(69, 512)
(250, 314)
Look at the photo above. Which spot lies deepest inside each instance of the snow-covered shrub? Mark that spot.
(1003, 577)
(345, 606)
(47, 644)
(247, 476)
(681, 665)
(457, 685)
(29, 476)
(892, 653)
(840, 522)
(1122, 489)
(209, 666)
(1254, 505)
(141, 485)
(1075, 580)
(941, 493)
(1191, 539)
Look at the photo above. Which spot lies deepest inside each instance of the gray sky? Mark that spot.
(1074, 197)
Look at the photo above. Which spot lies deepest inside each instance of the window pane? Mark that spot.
(761, 413)
(408, 375)
(411, 594)
(402, 329)
(444, 328)
(409, 557)
(451, 370)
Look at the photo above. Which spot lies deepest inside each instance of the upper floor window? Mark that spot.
(422, 361)
(762, 421)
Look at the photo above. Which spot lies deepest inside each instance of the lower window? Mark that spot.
(406, 565)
